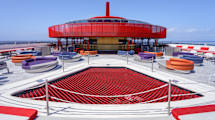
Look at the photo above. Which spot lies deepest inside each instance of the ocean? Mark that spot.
(193, 42)
(24, 42)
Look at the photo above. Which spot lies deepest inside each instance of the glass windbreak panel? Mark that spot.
(154, 29)
(124, 21)
(100, 20)
(90, 20)
(140, 22)
(83, 21)
(131, 21)
(116, 20)
(158, 29)
(107, 20)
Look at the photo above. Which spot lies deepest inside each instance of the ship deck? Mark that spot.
(202, 80)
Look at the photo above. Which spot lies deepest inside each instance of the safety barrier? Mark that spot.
(48, 96)
(130, 97)
(107, 29)
(107, 96)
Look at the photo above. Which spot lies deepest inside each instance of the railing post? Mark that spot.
(88, 58)
(8, 71)
(63, 63)
(210, 79)
(127, 57)
(163, 49)
(214, 60)
(152, 64)
(47, 98)
(169, 97)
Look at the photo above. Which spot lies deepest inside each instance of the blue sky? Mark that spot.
(184, 19)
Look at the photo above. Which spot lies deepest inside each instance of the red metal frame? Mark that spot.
(127, 45)
(107, 30)
(88, 47)
(58, 44)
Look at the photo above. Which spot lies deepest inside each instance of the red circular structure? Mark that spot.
(106, 33)
(107, 30)
(107, 26)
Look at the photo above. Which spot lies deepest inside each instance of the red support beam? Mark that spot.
(156, 42)
(59, 44)
(88, 42)
(127, 45)
(67, 43)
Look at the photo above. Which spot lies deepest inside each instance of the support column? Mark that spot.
(148, 43)
(58, 43)
(67, 44)
(128, 40)
(88, 42)
(156, 44)
(132, 42)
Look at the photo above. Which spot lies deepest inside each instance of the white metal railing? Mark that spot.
(47, 96)
(111, 95)
(39, 97)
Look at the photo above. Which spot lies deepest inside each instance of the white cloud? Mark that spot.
(187, 30)
(190, 30)
(172, 29)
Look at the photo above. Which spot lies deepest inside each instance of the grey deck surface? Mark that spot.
(204, 74)
(54, 118)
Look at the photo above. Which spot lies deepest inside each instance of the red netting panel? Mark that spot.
(108, 82)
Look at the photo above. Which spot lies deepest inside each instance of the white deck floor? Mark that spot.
(18, 77)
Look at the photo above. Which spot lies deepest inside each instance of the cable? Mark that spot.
(111, 95)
